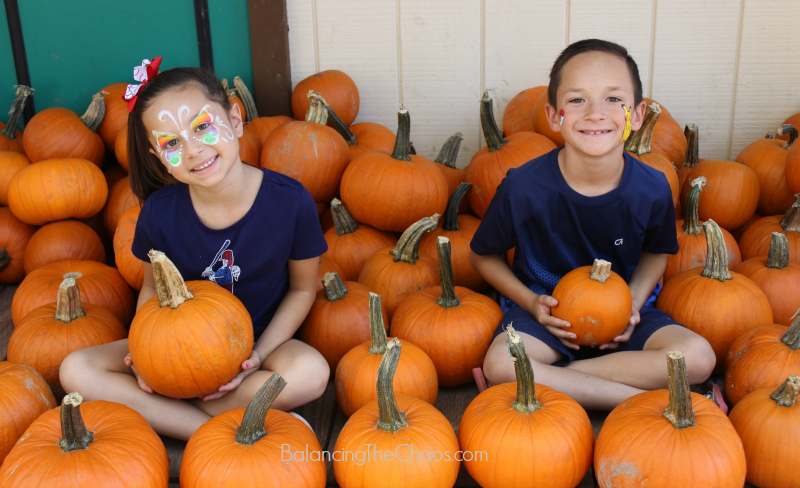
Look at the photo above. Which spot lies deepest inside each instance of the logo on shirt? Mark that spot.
(226, 274)
(618, 242)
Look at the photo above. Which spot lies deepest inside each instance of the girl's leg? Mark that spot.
(99, 373)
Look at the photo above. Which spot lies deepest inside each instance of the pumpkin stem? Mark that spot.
(601, 270)
(340, 126)
(74, 435)
(526, 401)
(68, 302)
(692, 156)
(787, 129)
(691, 218)
(96, 111)
(407, 249)
(792, 336)
(717, 257)
(5, 259)
(334, 286)
(402, 145)
(170, 286)
(639, 142)
(786, 394)
(391, 418)
(317, 111)
(377, 329)
(246, 98)
(492, 134)
(23, 92)
(252, 426)
(450, 219)
(443, 251)
(449, 151)
(790, 222)
(342, 219)
(778, 257)
(679, 411)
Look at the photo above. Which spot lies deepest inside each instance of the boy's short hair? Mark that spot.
(590, 45)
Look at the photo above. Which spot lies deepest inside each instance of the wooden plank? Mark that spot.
(301, 39)
(175, 449)
(6, 325)
(452, 402)
(338, 424)
(269, 50)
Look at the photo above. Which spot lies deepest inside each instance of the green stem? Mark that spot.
(526, 401)
(679, 411)
(691, 217)
(492, 134)
(402, 144)
(778, 257)
(790, 222)
(787, 129)
(23, 92)
(692, 149)
(786, 394)
(5, 259)
(316, 112)
(449, 151)
(717, 257)
(639, 141)
(342, 219)
(377, 329)
(443, 251)
(391, 418)
(170, 287)
(68, 302)
(450, 218)
(246, 98)
(340, 126)
(792, 336)
(96, 111)
(252, 426)
(334, 286)
(407, 248)
(74, 435)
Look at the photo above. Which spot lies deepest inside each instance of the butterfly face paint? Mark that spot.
(203, 121)
(205, 128)
(168, 146)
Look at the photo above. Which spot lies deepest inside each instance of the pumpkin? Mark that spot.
(756, 239)
(448, 154)
(250, 148)
(668, 138)
(351, 244)
(517, 116)
(309, 151)
(48, 334)
(113, 173)
(760, 357)
(327, 266)
(391, 192)
(540, 123)
(768, 423)
(738, 233)
(401, 425)
(339, 318)
(692, 155)
(532, 435)
(338, 89)
(362, 137)
(100, 285)
(355, 375)
(326, 221)
(639, 145)
(767, 158)
(95, 443)
(129, 266)
(262, 127)
(459, 230)
(202, 328)
(234, 99)
(58, 133)
(10, 136)
(452, 324)
(116, 115)
(248, 448)
(681, 427)
(489, 166)
(792, 120)
(595, 301)
(63, 240)
(57, 189)
(10, 163)
(14, 237)
(692, 241)
(714, 302)
(120, 199)
(792, 168)
(25, 396)
(396, 273)
(121, 147)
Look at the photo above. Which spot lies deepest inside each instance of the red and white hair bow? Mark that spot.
(142, 74)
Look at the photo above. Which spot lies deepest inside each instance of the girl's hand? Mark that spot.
(142, 385)
(626, 334)
(249, 366)
(541, 312)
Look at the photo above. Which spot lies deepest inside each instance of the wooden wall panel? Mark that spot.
(302, 34)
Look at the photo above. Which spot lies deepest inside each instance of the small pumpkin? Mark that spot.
(756, 239)
(116, 115)
(63, 240)
(362, 137)
(517, 116)
(121, 147)
(767, 158)
(668, 138)
(338, 89)
(448, 154)
(355, 375)
(129, 266)
(639, 145)
(10, 136)
(262, 127)
(120, 199)
(24, 396)
(540, 123)
(10, 163)
(14, 237)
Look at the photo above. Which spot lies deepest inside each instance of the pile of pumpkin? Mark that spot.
(370, 186)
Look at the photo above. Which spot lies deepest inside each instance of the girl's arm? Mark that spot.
(148, 290)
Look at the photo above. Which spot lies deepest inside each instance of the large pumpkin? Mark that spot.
(10, 163)
(95, 443)
(362, 137)
(489, 166)
(24, 396)
(120, 199)
(756, 239)
(401, 425)
(640, 146)
(390, 192)
(202, 329)
(338, 89)
(714, 302)
(452, 324)
(668, 438)
(767, 158)
(540, 123)
(116, 114)
(262, 127)
(129, 266)
(355, 375)
(241, 448)
(121, 147)
(518, 116)
(48, 334)
(14, 237)
(63, 240)
(448, 155)
(530, 434)
(57, 189)
(10, 136)
(250, 148)
(59, 133)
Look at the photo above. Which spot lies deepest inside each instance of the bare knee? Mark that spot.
(700, 358)
(306, 374)
(76, 373)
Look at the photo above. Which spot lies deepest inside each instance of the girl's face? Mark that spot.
(193, 137)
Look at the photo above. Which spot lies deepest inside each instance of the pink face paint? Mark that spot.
(168, 147)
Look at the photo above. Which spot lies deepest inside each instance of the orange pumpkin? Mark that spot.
(668, 138)
(63, 240)
(532, 435)
(10, 136)
(250, 148)
(116, 113)
(793, 120)
(489, 166)
(48, 334)
(57, 189)
(129, 266)
(113, 173)
(738, 233)
(639, 145)
(540, 123)
(452, 324)
(517, 116)
(83, 444)
(680, 427)
(448, 154)
(792, 169)
(401, 425)
(714, 302)
(58, 133)
(756, 239)
(692, 155)
(205, 321)
(338, 89)
(362, 137)
(327, 266)
(10, 163)
(24, 396)
(767, 158)
(262, 127)
(120, 199)
(14, 237)
(121, 147)
(355, 374)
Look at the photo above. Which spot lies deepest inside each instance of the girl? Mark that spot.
(254, 232)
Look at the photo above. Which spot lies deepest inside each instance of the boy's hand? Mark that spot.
(626, 334)
(142, 385)
(556, 326)
(249, 366)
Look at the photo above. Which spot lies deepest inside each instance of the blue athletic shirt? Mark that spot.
(556, 229)
(249, 258)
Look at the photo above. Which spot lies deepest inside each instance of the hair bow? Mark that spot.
(142, 74)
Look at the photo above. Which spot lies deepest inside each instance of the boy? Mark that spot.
(562, 210)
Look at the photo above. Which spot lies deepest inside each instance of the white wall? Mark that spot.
(730, 66)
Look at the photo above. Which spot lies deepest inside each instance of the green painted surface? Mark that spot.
(230, 40)
(8, 76)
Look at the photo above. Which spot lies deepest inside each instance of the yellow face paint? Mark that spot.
(627, 131)
(170, 152)
(204, 117)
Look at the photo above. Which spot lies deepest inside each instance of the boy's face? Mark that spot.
(593, 88)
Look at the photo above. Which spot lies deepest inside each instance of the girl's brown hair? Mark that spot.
(146, 171)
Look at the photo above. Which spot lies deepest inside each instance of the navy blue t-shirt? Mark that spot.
(249, 258)
(556, 229)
